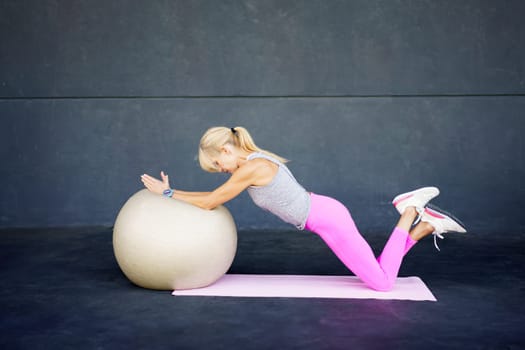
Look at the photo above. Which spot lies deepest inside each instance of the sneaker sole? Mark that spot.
(446, 213)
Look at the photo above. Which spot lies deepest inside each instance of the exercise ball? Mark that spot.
(165, 244)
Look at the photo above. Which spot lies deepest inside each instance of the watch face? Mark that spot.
(166, 192)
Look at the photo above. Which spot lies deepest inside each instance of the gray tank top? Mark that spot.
(283, 196)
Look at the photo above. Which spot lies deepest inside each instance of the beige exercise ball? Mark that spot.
(163, 243)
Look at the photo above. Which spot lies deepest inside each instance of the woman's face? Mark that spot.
(227, 160)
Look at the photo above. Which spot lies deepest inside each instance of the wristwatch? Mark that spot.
(168, 192)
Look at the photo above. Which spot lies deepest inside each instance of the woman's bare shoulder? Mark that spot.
(263, 170)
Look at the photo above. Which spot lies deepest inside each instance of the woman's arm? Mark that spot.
(158, 186)
(238, 182)
(191, 193)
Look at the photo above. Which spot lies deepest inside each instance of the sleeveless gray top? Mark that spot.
(283, 196)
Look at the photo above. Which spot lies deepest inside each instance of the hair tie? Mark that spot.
(233, 130)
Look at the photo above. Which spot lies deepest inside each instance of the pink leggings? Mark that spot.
(333, 223)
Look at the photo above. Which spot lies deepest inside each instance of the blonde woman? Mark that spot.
(272, 187)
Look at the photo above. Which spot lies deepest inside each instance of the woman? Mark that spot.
(272, 187)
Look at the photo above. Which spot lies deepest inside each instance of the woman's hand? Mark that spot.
(155, 185)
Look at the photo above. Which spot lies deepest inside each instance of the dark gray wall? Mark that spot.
(367, 98)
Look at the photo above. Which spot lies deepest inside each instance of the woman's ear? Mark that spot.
(227, 149)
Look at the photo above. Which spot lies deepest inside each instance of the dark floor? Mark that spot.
(63, 289)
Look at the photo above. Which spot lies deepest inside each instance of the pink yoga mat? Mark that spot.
(305, 286)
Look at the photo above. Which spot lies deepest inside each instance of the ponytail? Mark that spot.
(216, 137)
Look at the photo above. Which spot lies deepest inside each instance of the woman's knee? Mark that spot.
(382, 286)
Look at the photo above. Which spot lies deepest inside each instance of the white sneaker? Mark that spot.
(418, 198)
(442, 222)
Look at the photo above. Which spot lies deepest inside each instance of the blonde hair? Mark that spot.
(216, 137)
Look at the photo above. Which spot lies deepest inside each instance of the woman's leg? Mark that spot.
(421, 230)
(399, 243)
(333, 223)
